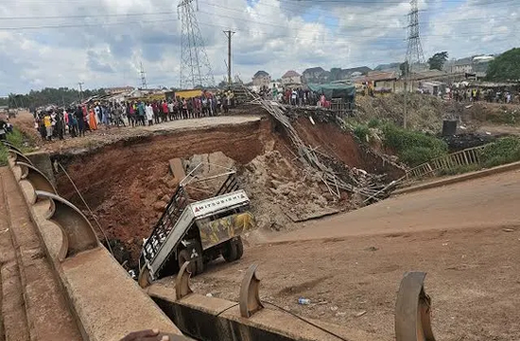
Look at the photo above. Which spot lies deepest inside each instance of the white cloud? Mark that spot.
(102, 42)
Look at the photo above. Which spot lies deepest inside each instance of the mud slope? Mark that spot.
(127, 184)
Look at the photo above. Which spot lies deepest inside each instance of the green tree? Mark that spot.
(437, 61)
(47, 96)
(505, 67)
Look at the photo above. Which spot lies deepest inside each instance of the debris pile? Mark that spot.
(282, 194)
(315, 163)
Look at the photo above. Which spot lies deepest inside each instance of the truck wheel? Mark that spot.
(233, 250)
(196, 266)
(240, 248)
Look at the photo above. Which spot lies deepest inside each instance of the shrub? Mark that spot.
(362, 132)
(412, 147)
(374, 123)
(3, 155)
(460, 170)
(502, 151)
(17, 139)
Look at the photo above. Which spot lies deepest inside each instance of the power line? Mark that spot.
(332, 18)
(357, 36)
(170, 12)
(86, 16)
(360, 3)
(380, 2)
(271, 24)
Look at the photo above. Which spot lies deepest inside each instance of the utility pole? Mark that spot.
(229, 34)
(143, 77)
(414, 53)
(80, 91)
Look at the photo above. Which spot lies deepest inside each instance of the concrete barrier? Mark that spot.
(105, 301)
(216, 319)
(250, 319)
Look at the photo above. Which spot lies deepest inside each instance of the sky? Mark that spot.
(58, 43)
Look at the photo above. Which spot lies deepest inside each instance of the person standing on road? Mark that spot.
(97, 111)
(131, 114)
(165, 111)
(80, 121)
(150, 114)
(118, 115)
(141, 109)
(73, 124)
(47, 121)
(60, 126)
(92, 120)
(171, 110)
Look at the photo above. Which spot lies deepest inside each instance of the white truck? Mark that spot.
(197, 232)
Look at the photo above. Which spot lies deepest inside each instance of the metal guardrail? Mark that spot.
(466, 157)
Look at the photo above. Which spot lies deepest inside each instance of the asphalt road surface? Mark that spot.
(466, 236)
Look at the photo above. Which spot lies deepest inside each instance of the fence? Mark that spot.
(466, 157)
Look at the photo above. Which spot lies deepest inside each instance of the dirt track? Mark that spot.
(473, 273)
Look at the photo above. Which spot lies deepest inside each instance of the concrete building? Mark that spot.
(261, 78)
(464, 65)
(315, 75)
(475, 66)
(291, 77)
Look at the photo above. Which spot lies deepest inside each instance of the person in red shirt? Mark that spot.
(165, 111)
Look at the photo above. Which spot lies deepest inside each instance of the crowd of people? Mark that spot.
(488, 95)
(55, 122)
(293, 96)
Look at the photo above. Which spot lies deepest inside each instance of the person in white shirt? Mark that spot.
(170, 110)
(149, 114)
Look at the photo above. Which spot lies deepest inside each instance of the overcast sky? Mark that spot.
(52, 43)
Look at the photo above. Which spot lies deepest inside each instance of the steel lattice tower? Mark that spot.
(414, 54)
(195, 66)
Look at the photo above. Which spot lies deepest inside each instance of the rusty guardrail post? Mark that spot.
(18, 156)
(412, 310)
(182, 282)
(38, 180)
(9, 145)
(78, 234)
(249, 300)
